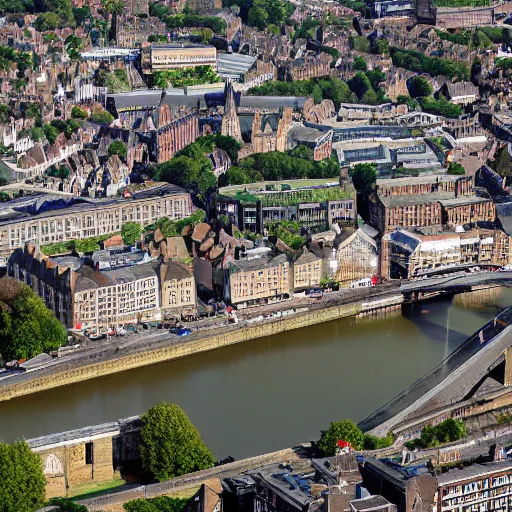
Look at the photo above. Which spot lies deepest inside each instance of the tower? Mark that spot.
(230, 121)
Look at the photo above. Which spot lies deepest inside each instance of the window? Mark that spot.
(89, 453)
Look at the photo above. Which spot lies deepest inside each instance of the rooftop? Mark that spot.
(474, 471)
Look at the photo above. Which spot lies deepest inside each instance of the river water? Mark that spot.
(271, 393)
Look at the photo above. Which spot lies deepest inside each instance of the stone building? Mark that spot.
(372, 114)
(456, 17)
(307, 271)
(320, 142)
(177, 56)
(396, 84)
(309, 66)
(178, 288)
(429, 204)
(264, 139)
(405, 254)
(461, 93)
(133, 31)
(249, 282)
(60, 220)
(164, 130)
(90, 454)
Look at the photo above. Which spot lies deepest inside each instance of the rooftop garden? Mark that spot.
(314, 195)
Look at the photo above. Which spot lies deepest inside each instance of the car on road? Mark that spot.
(180, 331)
(315, 293)
(361, 283)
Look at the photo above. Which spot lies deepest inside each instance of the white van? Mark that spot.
(361, 283)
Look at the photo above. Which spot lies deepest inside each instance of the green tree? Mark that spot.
(419, 87)
(170, 445)
(27, 326)
(503, 163)
(455, 168)
(102, 117)
(71, 127)
(78, 113)
(360, 44)
(360, 84)
(236, 176)
(131, 233)
(364, 177)
(317, 93)
(158, 504)
(258, 17)
(118, 147)
(344, 430)
(33, 111)
(22, 483)
(360, 64)
(48, 21)
(51, 133)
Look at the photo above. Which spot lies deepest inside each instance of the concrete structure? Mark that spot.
(177, 56)
(60, 220)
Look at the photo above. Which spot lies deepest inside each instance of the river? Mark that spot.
(271, 393)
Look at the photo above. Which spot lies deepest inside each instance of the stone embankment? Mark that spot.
(150, 351)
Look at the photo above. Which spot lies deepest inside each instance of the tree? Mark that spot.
(317, 94)
(71, 127)
(455, 168)
(47, 21)
(22, 483)
(419, 87)
(503, 162)
(170, 445)
(360, 84)
(131, 233)
(118, 147)
(102, 117)
(158, 504)
(237, 176)
(51, 133)
(257, 17)
(67, 505)
(360, 64)
(364, 177)
(78, 113)
(344, 430)
(27, 326)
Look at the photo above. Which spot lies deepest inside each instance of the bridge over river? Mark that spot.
(475, 378)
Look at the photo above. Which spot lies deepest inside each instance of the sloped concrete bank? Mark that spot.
(111, 360)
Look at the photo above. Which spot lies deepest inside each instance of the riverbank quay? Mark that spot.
(151, 347)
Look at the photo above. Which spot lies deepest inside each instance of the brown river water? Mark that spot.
(274, 392)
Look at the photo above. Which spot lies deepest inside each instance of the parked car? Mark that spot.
(315, 293)
(180, 331)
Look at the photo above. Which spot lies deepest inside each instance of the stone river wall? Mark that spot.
(194, 344)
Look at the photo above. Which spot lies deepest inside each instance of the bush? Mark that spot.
(66, 505)
(441, 106)
(448, 431)
(170, 445)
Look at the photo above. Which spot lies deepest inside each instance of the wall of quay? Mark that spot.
(195, 344)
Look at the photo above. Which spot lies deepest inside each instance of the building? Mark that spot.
(177, 56)
(316, 208)
(354, 112)
(479, 487)
(429, 204)
(251, 282)
(50, 219)
(357, 255)
(320, 142)
(405, 254)
(90, 454)
(307, 271)
(178, 288)
(264, 139)
(461, 93)
(105, 291)
(163, 130)
(454, 17)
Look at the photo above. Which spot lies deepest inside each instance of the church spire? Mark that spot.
(230, 121)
